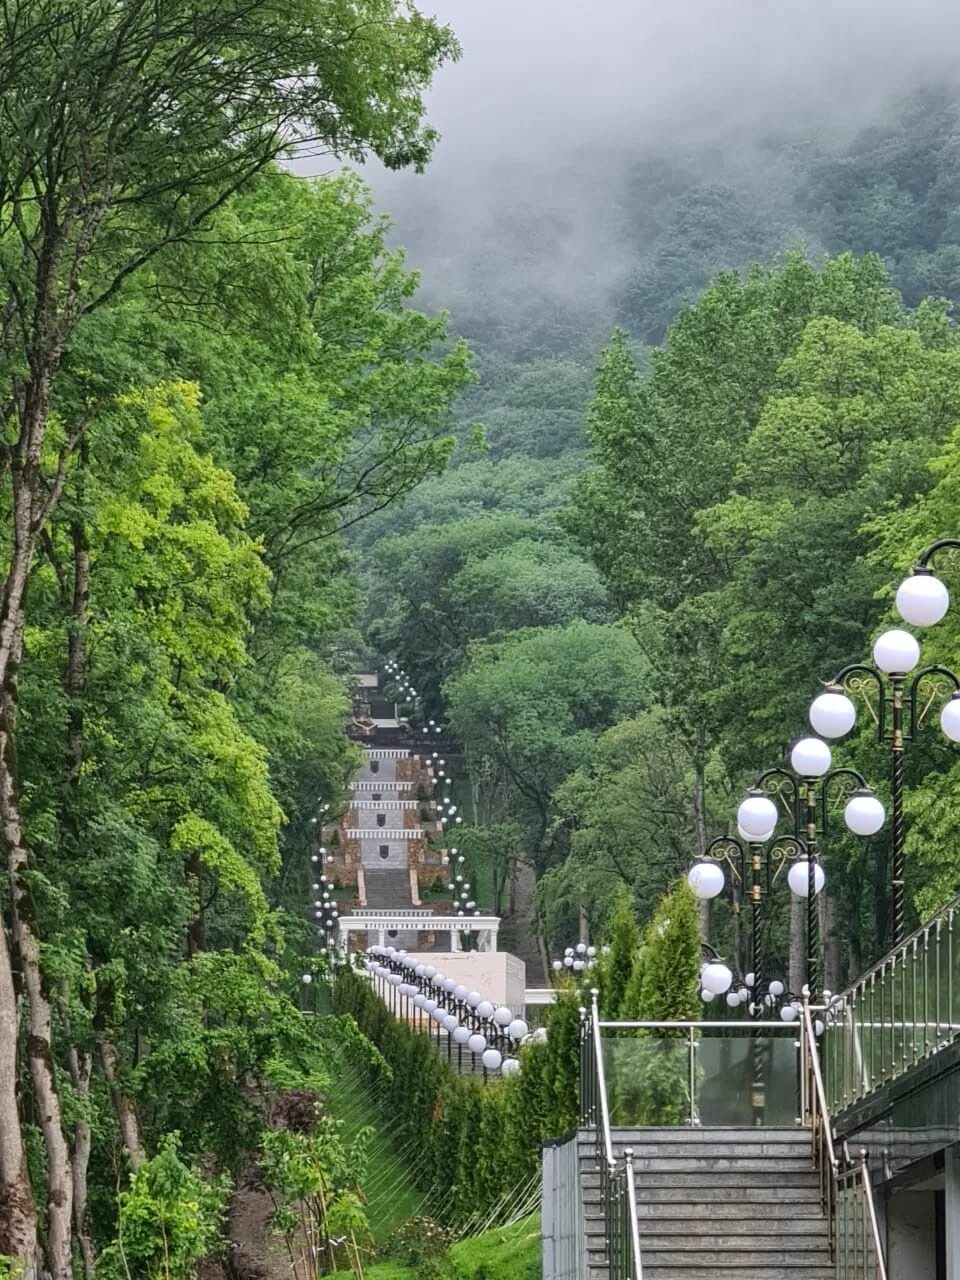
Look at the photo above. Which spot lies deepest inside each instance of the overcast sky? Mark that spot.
(549, 92)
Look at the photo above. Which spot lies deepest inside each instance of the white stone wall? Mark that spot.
(499, 976)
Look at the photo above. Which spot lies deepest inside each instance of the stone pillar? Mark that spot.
(454, 939)
(381, 937)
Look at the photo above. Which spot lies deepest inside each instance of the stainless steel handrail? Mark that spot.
(632, 1216)
(817, 1097)
(824, 1156)
(821, 1130)
(617, 1184)
(872, 1213)
(601, 1080)
(786, 1028)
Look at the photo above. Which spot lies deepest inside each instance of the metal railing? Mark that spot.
(846, 1192)
(617, 1186)
(722, 1073)
(903, 1010)
(859, 1250)
(816, 1114)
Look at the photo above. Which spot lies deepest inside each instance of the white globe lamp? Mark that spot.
(706, 879)
(810, 758)
(477, 1043)
(510, 1066)
(757, 816)
(864, 814)
(461, 1035)
(798, 878)
(922, 599)
(896, 652)
(491, 1059)
(832, 714)
(950, 718)
(716, 978)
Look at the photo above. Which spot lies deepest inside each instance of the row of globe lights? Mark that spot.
(400, 678)
(577, 959)
(324, 908)
(498, 1023)
(716, 980)
(464, 903)
(757, 818)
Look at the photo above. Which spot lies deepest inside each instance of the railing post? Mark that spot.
(692, 1077)
(636, 1271)
(871, 1216)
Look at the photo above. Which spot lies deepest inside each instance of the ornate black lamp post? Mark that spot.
(803, 794)
(754, 865)
(900, 703)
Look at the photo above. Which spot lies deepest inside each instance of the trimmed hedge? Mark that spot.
(482, 1140)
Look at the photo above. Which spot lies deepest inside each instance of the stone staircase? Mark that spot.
(388, 887)
(715, 1204)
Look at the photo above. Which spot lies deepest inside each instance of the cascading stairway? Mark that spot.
(714, 1204)
(382, 846)
(719, 1187)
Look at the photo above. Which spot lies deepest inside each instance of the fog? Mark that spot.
(555, 100)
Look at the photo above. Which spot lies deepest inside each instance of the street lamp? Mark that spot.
(758, 851)
(899, 712)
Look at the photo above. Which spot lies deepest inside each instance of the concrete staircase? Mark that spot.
(389, 887)
(715, 1204)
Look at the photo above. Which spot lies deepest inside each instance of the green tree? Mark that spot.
(533, 706)
(620, 958)
(124, 133)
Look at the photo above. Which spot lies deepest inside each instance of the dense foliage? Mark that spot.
(209, 369)
(763, 448)
(620, 582)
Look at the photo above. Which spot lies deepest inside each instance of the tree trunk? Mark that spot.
(80, 1067)
(76, 673)
(123, 1107)
(39, 1050)
(831, 943)
(196, 929)
(18, 1214)
(699, 813)
(18, 1217)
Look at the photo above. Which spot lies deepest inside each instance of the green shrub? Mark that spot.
(421, 1243)
(170, 1218)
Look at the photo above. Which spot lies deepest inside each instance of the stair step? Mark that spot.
(806, 1186)
(794, 1245)
(744, 1261)
(762, 1272)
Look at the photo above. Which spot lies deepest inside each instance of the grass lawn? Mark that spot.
(506, 1253)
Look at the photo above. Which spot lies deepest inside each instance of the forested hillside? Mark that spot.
(719, 490)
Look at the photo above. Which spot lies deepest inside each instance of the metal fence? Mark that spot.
(711, 1073)
(900, 1012)
(564, 1253)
